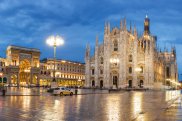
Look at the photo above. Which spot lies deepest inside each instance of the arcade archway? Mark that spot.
(24, 73)
(34, 81)
(14, 79)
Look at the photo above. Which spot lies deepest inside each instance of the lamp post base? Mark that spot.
(54, 84)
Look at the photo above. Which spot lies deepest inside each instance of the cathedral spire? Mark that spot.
(87, 53)
(147, 26)
(108, 27)
(124, 27)
(121, 26)
(165, 48)
(105, 28)
(96, 41)
(173, 49)
(135, 31)
(130, 28)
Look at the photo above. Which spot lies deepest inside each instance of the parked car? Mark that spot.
(63, 91)
(32, 85)
(6, 85)
(13, 85)
(51, 89)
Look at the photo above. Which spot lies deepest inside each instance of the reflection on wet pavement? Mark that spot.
(127, 106)
(173, 112)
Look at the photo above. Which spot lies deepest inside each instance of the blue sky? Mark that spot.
(28, 23)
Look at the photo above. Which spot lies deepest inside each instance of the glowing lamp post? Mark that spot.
(54, 41)
(1, 75)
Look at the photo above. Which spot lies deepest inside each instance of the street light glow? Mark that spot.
(55, 40)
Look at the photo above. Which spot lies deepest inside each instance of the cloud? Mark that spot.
(29, 23)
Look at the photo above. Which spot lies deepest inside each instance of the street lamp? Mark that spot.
(54, 41)
(1, 75)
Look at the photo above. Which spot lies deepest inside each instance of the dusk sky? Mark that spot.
(28, 23)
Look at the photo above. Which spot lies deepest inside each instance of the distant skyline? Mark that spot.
(29, 23)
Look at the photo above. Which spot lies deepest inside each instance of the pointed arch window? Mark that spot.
(101, 60)
(93, 71)
(145, 44)
(130, 58)
(130, 70)
(141, 69)
(115, 45)
(101, 71)
(168, 72)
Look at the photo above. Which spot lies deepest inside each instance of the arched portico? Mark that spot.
(14, 79)
(35, 79)
(24, 72)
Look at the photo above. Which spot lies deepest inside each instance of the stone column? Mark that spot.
(38, 80)
(18, 80)
(31, 75)
(8, 79)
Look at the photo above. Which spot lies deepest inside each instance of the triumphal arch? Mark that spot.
(23, 65)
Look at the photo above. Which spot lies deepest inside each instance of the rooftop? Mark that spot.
(60, 60)
(23, 48)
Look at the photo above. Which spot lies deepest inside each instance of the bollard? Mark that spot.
(4, 92)
(76, 91)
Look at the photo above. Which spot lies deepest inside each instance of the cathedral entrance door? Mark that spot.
(141, 83)
(115, 81)
(101, 83)
(130, 83)
(93, 83)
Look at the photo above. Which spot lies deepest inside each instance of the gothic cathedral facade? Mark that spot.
(126, 60)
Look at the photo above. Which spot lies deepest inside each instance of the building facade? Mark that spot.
(125, 59)
(22, 67)
(67, 73)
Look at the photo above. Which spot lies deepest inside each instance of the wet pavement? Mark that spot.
(125, 106)
(173, 112)
(34, 91)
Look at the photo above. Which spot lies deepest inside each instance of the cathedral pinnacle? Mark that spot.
(147, 26)
(130, 28)
(96, 41)
(135, 31)
(108, 27)
(121, 25)
(124, 24)
(146, 16)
